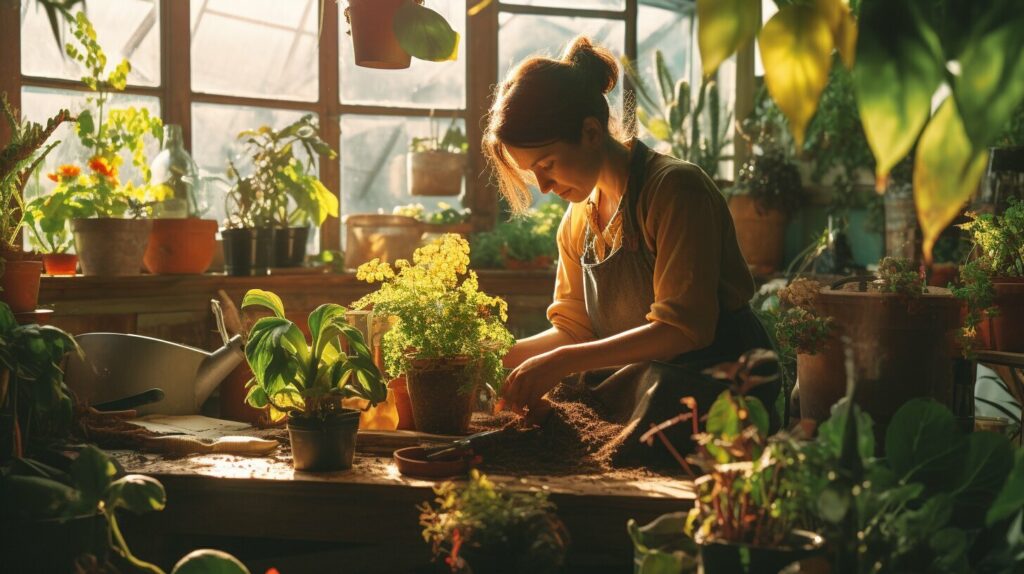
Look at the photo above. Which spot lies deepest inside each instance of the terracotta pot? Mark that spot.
(902, 349)
(232, 398)
(400, 389)
(181, 246)
(435, 173)
(373, 35)
(20, 283)
(1005, 331)
(441, 394)
(942, 274)
(386, 237)
(60, 263)
(761, 236)
(109, 246)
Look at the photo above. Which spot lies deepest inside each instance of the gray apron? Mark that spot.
(618, 293)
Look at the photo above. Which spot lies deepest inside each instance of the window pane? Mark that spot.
(260, 48)
(578, 4)
(214, 128)
(422, 85)
(521, 36)
(125, 28)
(373, 171)
(671, 33)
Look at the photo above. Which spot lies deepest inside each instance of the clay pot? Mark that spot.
(400, 389)
(441, 394)
(386, 237)
(181, 246)
(435, 173)
(60, 263)
(942, 274)
(1005, 331)
(761, 236)
(109, 246)
(373, 35)
(290, 246)
(20, 283)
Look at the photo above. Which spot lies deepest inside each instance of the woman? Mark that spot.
(649, 268)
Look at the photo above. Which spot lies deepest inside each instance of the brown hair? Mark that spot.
(543, 101)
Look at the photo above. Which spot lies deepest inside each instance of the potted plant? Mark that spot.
(277, 203)
(307, 380)
(436, 164)
(526, 242)
(386, 34)
(447, 219)
(447, 337)
(481, 527)
(49, 234)
(992, 282)
(19, 276)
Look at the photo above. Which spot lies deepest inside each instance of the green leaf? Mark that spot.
(424, 33)
(85, 122)
(723, 418)
(947, 171)
(723, 27)
(923, 443)
(92, 472)
(986, 463)
(323, 324)
(831, 431)
(899, 67)
(662, 546)
(257, 397)
(35, 497)
(796, 48)
(137, 493)
(265, 299)
(950, 548)
(208, 561)
(1011, 498)
(757, 414)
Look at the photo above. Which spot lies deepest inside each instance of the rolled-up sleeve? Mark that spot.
(685, 224)
(568, 311)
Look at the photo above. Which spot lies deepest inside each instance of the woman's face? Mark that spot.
(569, 170)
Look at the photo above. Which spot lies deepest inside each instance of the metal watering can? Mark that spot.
(128, 370)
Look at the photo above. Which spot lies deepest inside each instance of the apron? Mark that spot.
(618, 293)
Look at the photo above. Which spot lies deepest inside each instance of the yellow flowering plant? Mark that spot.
(437, 310)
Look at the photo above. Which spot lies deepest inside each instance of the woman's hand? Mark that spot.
(533, 378)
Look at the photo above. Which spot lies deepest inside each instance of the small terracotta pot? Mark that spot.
(441, 394)
(1005, 331)
(436, 173)
(373, 34)
(110, 246)
(60, 263)
(942, 274)
(400, 389)
(20, 283)
(181, 246)
(761, 235)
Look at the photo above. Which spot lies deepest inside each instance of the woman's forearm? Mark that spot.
(538, 344)
(651, 342)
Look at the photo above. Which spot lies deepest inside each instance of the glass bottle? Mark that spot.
(174, 168)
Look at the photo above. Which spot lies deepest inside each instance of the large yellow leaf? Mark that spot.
(947, 171)
(724, 26)
(796, 48)
(843, 26)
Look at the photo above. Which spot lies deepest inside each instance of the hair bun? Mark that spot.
(597, 66)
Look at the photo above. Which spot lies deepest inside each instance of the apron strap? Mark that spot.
(637, 176)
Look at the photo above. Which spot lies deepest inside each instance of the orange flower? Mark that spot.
(102, 167)
(68, 170)
(53, 176)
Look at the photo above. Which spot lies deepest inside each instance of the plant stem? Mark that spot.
(122, 546)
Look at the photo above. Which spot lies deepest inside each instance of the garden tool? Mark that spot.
(473, 443)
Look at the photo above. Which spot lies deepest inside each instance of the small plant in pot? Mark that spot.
(436, 164)
(447, 218)
(19, 276)
(526, 242)
(992, 282)
(447, 337)
(307, 380)
(387, 34)
(481, 527)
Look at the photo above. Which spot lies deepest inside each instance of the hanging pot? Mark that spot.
(181, 246)
(1005, 331)
(435, 173)
(324, 445)
(761, 235)
(373, 36)
(248, 251)
(441, 393)
(110, 246)
(290, 246)
(60, 263)
(20, 283)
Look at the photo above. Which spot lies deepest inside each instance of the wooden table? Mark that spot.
(363, 520)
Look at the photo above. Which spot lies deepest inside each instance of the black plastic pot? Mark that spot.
(290, 246)
(52, 545)
(248, 251)
(727, 558)
(324, 445)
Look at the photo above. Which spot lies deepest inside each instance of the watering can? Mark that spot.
(119, 368)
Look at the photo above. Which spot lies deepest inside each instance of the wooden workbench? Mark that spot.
(363, 520)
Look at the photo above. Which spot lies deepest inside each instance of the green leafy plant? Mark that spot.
(438, 311)
(480, 527)
(527, 238)
(900, 276)
(18, 159)
(281, 190)
(772, 180)
(310, 378)
(679, 123)
(452, 141)
(445, 215)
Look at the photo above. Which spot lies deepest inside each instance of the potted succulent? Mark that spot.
(446, 336)
(436, 164)
(277, 203)
(992, 282)
(386, 34)
(481, 527)
(19, 276)
(307, 380)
